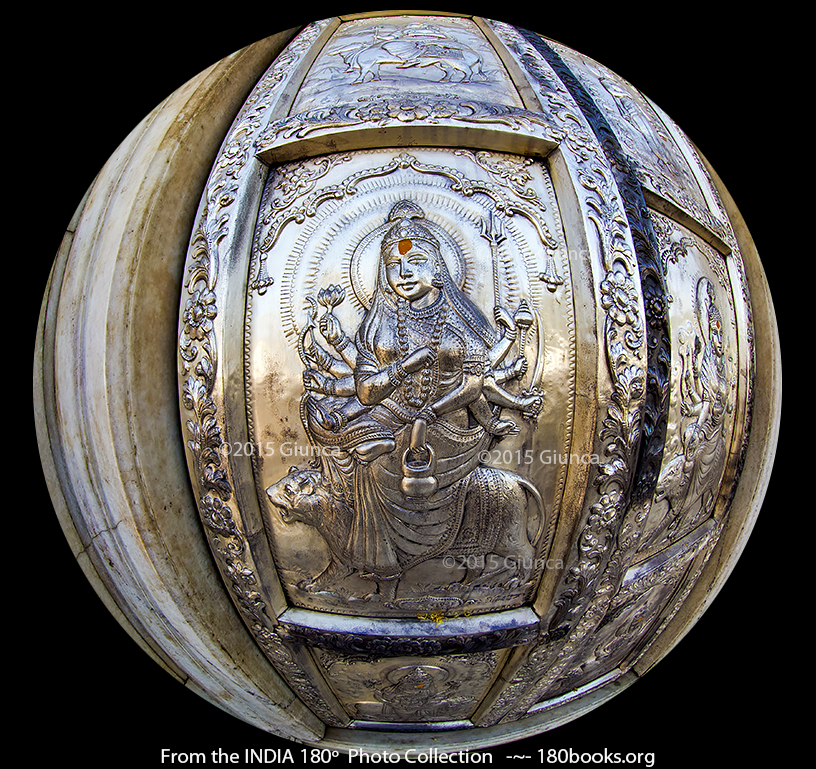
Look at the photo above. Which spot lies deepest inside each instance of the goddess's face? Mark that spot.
(410, 268)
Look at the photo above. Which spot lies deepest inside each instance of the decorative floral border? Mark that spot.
(401, 109)
(612, 530)
(584, 595)
(198, 359)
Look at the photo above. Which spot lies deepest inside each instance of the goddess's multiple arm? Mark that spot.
(347, 376)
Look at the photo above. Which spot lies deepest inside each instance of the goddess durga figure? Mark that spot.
(409, 405)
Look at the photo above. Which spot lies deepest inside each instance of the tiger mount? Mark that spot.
(440, 389)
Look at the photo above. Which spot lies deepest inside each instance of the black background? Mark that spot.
(87, 78)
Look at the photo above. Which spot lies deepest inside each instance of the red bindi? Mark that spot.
(404, 246)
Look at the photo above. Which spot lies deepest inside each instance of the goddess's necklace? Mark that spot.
(418, 398)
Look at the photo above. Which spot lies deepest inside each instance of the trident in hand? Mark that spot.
(493, 233)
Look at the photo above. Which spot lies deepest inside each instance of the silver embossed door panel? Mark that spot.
(350, 535)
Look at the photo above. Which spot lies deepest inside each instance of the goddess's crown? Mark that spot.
(408, 228)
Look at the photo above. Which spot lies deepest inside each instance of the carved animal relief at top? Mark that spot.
(407, 54)
(416, 47)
